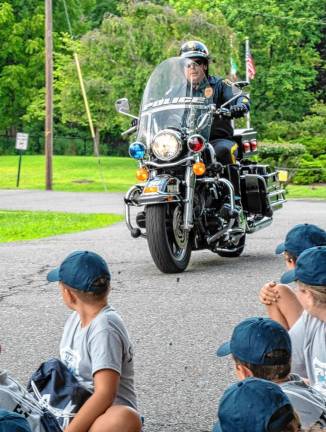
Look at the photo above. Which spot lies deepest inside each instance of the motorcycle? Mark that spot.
(190, 200)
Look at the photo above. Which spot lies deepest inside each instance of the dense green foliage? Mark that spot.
(114, 67)
(120, 42)
(309, 135)
(283, 37)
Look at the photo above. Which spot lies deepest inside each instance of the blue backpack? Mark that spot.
(57, 389)
(16, 399)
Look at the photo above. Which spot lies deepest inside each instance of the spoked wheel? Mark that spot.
(168, 243)
(235, 251)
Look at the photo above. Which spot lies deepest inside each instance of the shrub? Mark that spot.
(310, 170)
(281, 154)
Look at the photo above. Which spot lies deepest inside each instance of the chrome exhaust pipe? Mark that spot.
(262, 223)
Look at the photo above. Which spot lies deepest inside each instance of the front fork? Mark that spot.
(190, 180)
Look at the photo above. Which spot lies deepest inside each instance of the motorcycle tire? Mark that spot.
(167, 255)
(234, 253)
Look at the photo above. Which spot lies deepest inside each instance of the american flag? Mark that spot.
(250, 65)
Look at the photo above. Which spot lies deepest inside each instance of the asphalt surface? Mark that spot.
(176, 322)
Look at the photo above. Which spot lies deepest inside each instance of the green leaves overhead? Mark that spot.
(120, 42)
(283, 38)
(118, 58)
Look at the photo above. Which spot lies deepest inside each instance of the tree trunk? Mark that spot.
(97, 142)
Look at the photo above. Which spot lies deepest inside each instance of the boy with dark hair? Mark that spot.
(281, 302)
(261, 348)
(256, 405)
(95, 346)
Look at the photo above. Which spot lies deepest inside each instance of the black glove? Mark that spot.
(238, 110)
(134, 122)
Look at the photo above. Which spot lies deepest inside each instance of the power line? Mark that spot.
(68, 19)
(84, 94)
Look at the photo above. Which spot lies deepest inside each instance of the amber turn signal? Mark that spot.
(142, 174)
(199, 168)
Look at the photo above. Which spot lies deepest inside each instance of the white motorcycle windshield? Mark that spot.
(177, 96)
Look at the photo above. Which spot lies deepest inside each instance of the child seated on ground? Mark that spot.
(261, 347)
(308, 334)
(256, 405)
(95, 346)
(281, 302)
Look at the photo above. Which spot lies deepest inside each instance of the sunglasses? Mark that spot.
(195, 62)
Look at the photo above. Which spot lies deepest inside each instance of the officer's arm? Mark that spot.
(229, 90)
(240, 105)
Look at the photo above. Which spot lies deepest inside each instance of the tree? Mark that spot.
(22, 54)
(21, 62)
(283, 37)
(118, 58)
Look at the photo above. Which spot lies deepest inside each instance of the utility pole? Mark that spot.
(48, 94)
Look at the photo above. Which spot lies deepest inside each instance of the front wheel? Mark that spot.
(168, 243)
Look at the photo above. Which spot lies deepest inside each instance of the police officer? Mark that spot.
(223, 90)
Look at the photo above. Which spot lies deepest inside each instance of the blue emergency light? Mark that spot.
(137, 150)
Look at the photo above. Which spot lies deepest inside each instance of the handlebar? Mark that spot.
(129, 131)
(223, 112)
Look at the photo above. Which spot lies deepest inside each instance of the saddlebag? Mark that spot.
(260, 190)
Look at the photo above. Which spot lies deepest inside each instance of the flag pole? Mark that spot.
(231, 71)
(231, 48)
(247, 77)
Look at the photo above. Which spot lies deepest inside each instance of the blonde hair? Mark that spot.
(315, 428)
(318, 293)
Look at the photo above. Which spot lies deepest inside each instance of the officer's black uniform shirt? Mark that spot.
(223, 91)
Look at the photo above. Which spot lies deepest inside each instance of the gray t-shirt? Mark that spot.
(308, 337)
(309, 403)
(103, 344)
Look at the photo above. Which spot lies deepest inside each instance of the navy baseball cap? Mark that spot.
(13, 422)
(302, 237)
(254, 405)
(310, 268)
(79, 270)
(254, 338)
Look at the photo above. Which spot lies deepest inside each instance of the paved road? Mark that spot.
(61, 201)
(175, 321)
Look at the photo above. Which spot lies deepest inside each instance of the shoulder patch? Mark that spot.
(228, 82)
(208, 92)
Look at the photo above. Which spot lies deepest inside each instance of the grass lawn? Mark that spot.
(316, 191)
(28, 225)
(70, 173)
(84, 174)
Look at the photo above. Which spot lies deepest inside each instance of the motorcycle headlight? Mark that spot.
(167, 145)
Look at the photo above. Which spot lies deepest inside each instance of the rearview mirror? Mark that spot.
(122, 105)
(241, 84)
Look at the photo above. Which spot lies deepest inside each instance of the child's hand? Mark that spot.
(269, 294)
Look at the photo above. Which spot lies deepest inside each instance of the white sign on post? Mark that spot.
(21, 141)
